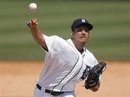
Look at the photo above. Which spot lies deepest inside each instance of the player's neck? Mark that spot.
(81, 50)
(79, 46)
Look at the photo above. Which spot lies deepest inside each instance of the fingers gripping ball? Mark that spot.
(33, 6)
(32, 23)
(94, 75)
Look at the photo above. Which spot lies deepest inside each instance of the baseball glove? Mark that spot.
(94, 74)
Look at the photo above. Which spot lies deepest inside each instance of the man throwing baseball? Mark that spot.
(65, 61)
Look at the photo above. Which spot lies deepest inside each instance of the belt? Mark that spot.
(54, 93)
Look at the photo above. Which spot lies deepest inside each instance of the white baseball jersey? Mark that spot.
(63, 64)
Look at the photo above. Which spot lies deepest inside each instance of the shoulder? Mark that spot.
(90, 58)
(53, 38)
(54, 43)
(90, 54)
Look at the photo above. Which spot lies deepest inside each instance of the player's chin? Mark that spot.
(84, 40)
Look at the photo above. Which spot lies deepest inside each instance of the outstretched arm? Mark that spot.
(36, 33)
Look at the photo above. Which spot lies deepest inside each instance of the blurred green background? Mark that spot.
(109, 40)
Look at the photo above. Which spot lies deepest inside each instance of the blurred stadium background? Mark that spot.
(109, 41)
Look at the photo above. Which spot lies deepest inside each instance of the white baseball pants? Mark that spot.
(41, 93)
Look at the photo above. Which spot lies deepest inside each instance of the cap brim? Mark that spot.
(90, 27)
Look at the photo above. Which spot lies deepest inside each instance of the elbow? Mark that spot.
(42, 43)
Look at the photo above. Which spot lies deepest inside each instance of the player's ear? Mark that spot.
(72, 34)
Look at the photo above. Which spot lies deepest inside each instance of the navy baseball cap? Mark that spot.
(79, 22)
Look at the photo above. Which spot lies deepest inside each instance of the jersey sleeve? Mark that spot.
(54, 43)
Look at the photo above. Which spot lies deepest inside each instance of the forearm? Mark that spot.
(36, 33)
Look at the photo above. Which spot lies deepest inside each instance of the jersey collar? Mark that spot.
(71, 42)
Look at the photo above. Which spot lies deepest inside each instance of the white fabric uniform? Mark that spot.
(63, 67)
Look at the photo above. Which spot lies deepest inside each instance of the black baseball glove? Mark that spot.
(94, 74)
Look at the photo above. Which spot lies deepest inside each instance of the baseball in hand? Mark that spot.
(33, 6)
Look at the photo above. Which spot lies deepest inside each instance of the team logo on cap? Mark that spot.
(83, 20)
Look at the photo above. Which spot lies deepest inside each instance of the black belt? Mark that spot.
(54, 93)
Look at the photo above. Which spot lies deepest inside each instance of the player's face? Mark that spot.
(81, 34)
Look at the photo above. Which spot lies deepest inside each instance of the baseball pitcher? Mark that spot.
(66, 61)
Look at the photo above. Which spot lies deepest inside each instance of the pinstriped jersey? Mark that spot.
(63, 64)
